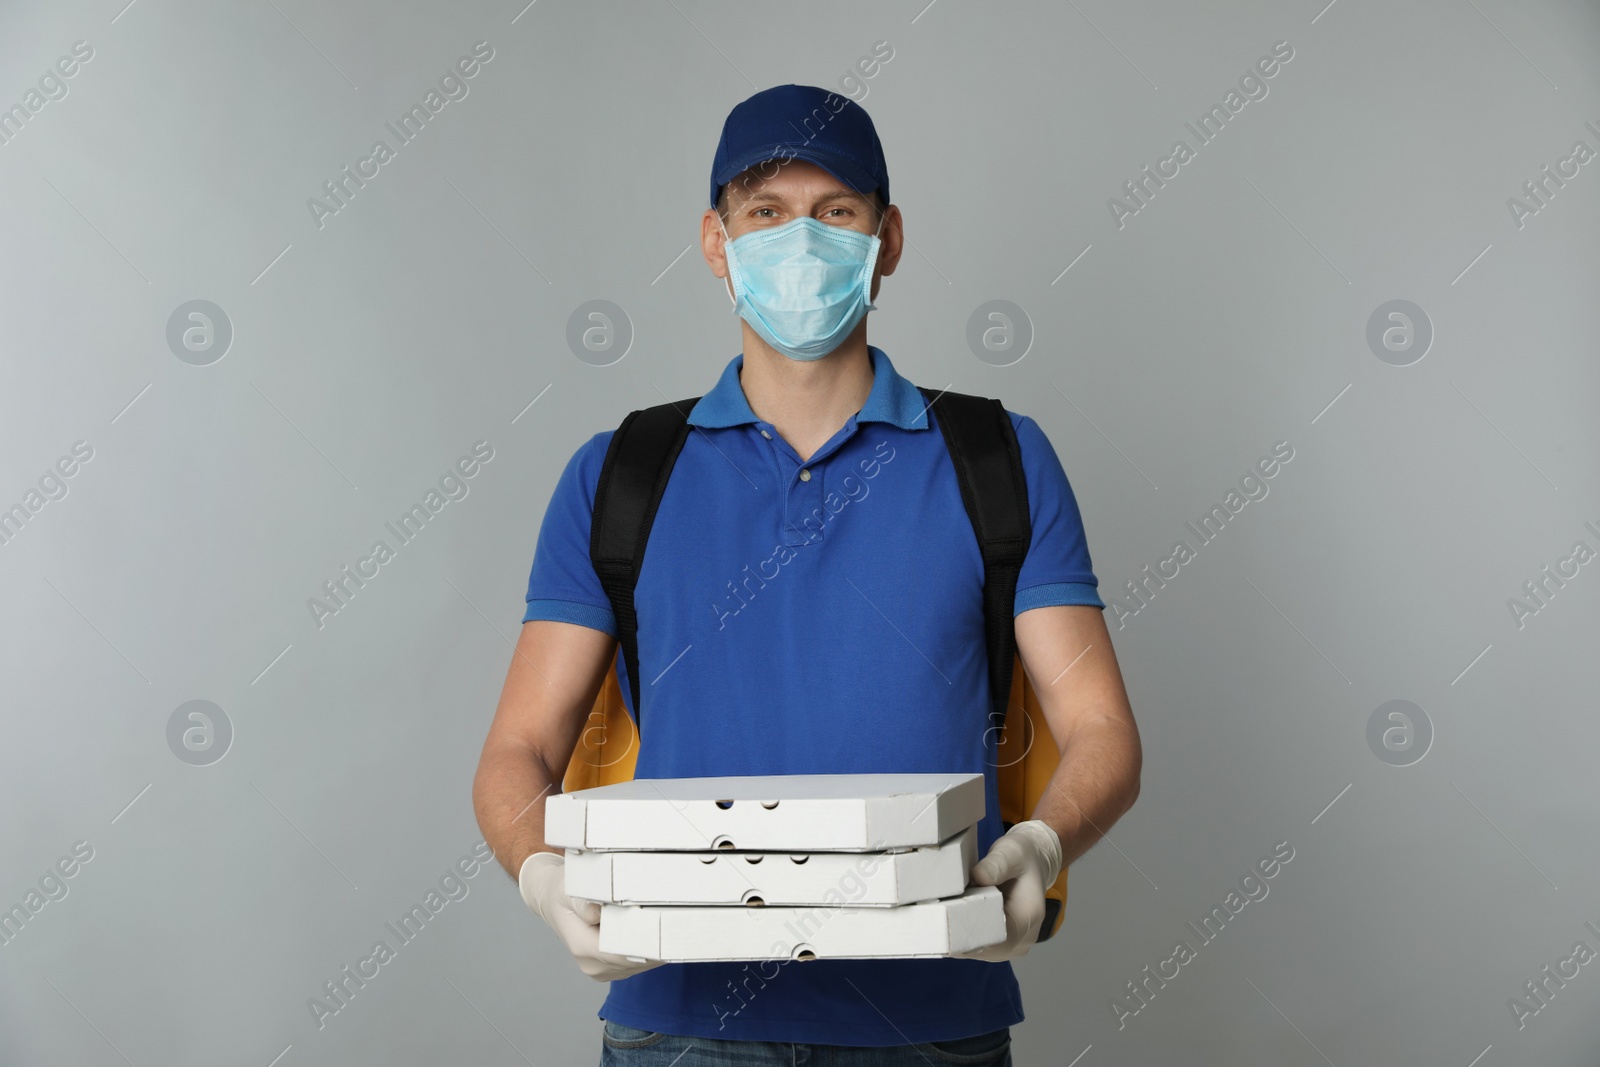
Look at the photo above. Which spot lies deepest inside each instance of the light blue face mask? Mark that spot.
(804, 285)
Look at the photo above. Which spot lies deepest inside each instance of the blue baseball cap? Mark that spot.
(802, 122)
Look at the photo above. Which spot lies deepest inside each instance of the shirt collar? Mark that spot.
(893, 399)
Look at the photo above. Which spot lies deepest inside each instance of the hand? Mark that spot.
(577, 922)
(1023, 863)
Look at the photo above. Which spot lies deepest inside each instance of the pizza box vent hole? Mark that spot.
(754, 899)
(804, 952)
(724, 804)
(769, 804)
(722, 842)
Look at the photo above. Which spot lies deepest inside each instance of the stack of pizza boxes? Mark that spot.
(802, 866)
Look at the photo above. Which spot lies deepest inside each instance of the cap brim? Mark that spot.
(848, 171)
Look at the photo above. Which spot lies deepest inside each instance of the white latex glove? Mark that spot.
(542, 881)
(1024, 862)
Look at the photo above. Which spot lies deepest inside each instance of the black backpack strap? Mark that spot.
(632, 480)
(988, 461)
(983, 447)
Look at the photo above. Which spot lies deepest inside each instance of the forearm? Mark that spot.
(508, 797)
(1095, 783)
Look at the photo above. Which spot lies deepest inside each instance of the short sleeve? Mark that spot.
(562, 585)
(1057, 569)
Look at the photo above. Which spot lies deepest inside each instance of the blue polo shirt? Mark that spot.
(814, 616)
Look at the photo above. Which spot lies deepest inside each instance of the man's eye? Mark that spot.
(759, 210)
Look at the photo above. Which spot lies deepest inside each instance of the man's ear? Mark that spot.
(893, 238)
(892, 243)
(711, 242)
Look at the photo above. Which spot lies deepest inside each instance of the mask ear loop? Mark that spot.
(728, 255)
(870, 266)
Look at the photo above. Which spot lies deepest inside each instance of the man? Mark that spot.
(811, 602)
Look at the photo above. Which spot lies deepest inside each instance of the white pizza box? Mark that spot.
(784, 812)
(678, 933)
(765, 878)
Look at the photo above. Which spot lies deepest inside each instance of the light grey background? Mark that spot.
(369, 354)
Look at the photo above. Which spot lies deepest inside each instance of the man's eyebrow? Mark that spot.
(837, 194)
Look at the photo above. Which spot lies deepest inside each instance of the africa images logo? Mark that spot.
(343, 188)
(740, 594)
(1252, 85)
(1252, 487)
(453, 886)
(453, 486)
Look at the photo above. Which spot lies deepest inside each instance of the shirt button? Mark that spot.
(767, 435)
(805, 476)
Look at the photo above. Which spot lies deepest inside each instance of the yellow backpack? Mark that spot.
(983, 448)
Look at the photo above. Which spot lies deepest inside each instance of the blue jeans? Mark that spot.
(625, 1046)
